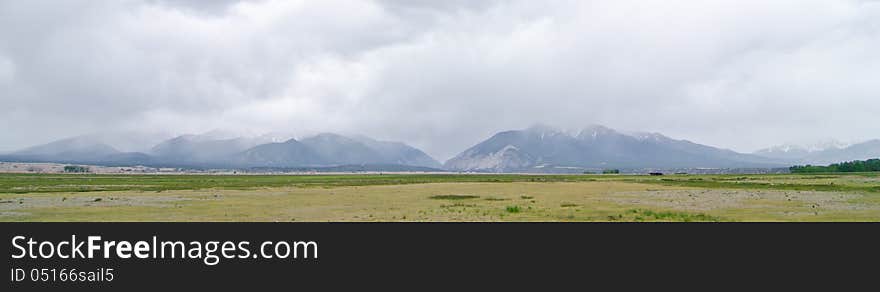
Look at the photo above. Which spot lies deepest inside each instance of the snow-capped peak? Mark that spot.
(813, 147)
(544, 131)
(827, 144)
(644, 136)
(594, 131)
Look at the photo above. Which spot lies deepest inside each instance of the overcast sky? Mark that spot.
(442, 75)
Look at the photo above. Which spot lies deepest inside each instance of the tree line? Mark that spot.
(76, 169)
(850, 166)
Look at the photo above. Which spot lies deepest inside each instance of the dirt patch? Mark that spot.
(28, 202)
(705, 200)
(11, 214)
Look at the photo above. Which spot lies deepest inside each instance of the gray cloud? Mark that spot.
(442, 75)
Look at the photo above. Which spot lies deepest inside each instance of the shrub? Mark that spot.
(75, 169)
(453, 197)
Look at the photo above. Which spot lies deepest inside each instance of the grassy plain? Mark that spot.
(439, 197)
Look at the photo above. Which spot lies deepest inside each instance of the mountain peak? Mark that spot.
(595, 147)
(597, 127)
(326, 136)
(825, 152)
(544, 131)
(824, 145)
(595, 131)
(783, 148)
(542, 128)
(289, 141)
(74, 144)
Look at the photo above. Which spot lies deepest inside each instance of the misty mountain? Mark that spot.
(399, 153)
(329, 149)
(340, 150)
(216, 150)
(795, 153)
(290, 153)
(79, 148)
(129, 141)
(824, 156)
(787, 152)
(201, 149)
(536, 149)
(88, 149)
(542, 148)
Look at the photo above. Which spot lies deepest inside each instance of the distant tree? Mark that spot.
(850, 166)
(75, 169)
(611, 171)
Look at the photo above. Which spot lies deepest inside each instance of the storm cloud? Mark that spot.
(442, 75)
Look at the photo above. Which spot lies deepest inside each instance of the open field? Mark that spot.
(439, 197)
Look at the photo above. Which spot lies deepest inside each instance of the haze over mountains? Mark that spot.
(595, 147)
(824, 154)
(210, 151)
(536, 149)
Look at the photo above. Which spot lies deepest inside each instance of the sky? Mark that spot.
(442, 75)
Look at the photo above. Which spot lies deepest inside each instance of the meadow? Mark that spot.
(440, 197)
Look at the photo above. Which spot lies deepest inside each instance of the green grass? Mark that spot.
(48, 183)
(791, 182)
(641, 214)
(440, 197)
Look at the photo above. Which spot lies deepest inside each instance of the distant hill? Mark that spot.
(542, 148)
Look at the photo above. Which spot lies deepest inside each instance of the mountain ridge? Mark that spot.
(594, 147)
(539, 148)
(833, 154)
(212, 150)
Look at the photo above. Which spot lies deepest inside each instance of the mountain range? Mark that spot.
(545, 149)
(823, 154)
(208, 151)
(535, 149)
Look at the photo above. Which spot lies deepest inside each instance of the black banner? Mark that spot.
(428, 255)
